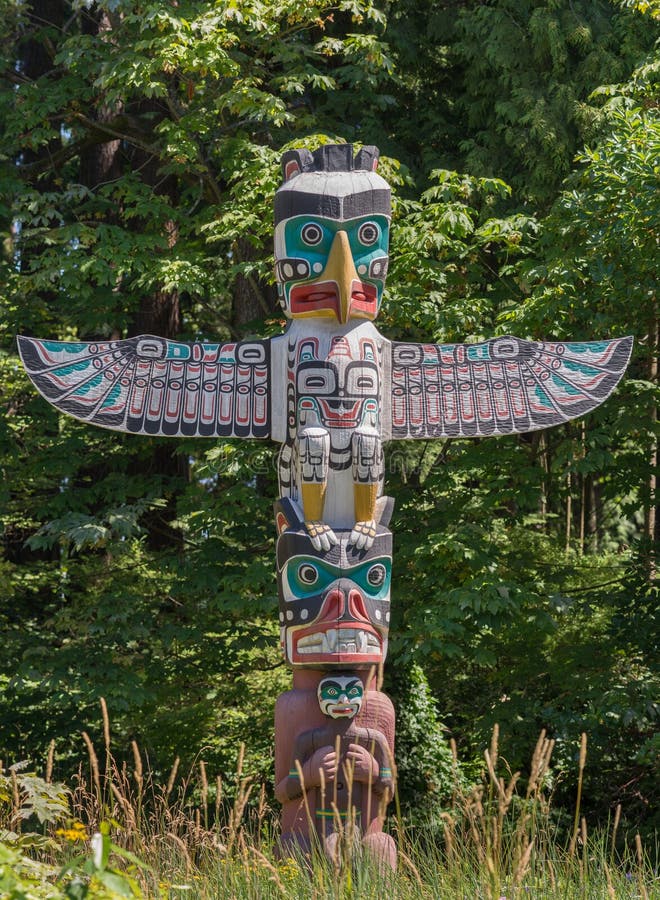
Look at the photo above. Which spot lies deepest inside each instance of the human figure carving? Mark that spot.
(335, 780)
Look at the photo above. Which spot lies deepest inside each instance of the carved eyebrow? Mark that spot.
(354, 683)
(334, 684)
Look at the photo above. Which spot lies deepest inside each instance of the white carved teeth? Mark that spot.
(342, 640)
(310, 642)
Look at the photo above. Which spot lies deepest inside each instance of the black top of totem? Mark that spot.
(329, 158)
(333, 181)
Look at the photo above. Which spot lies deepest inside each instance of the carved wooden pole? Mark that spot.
(330, 390)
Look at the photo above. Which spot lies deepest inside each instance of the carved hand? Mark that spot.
(321, 535)
(324, 760)
(360, 763)
(363, 534)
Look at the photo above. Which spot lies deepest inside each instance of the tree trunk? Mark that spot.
(252, 299)
(592, 517)
(99, 162)
(583, 492)
(159, 313)
(650, 500)
(569, 510)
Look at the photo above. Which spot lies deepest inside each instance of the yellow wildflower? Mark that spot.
(76, 832)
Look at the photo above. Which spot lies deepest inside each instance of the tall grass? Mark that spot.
(183, 837)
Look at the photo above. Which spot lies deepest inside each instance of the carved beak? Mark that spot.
(340, 268)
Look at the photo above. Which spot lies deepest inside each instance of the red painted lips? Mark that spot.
(325, 295)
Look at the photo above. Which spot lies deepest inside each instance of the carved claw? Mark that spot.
(363, 534)
(322, 536)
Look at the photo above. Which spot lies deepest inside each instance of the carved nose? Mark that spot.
(333, 605)
(335, 608)
(340, 268)
(356, 606)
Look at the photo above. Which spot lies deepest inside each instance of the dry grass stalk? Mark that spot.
(240, 761)
(204, 785)
(138, 775)
(615, 828)
(262, 809)
(449, 834)
(15, 802)
(640, 867)
(131, 820)
(184, 850)
(240, 802)
(218, 796)
(495, 781)
(583, 838)
(49, 762)
(308, 812)
(94, 765)
(274, 874)
(410, 865)
(493, 826)
(454, 772)
(522, 864)
(138, 771)
(172, 778)
(581, 765)
(540, 764)
(474, 812)
(526, 834)
(106, 725)
(494, 744)
(611, 893)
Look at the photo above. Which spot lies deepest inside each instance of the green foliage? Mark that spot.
(25, 799)
(529, 70)
(504, 89)
(446, 248)
(427, 773)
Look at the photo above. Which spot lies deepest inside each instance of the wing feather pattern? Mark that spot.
(149, 385)
(502, 386)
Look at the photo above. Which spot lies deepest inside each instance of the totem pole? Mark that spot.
(331, 390)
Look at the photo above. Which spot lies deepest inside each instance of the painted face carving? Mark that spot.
(340, 696)
(332, 268)
(332, 216)
(340, 392)
(335, 604)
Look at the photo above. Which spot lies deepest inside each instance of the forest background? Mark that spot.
(138, 163)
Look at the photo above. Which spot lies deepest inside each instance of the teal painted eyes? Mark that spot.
(305, 576)
(335, 689)
(311, 239)
(311, 234)
(308, 574)
(376, 575)
(368, 233)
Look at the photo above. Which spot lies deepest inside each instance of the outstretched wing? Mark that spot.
(502, 386)
(148, 385)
